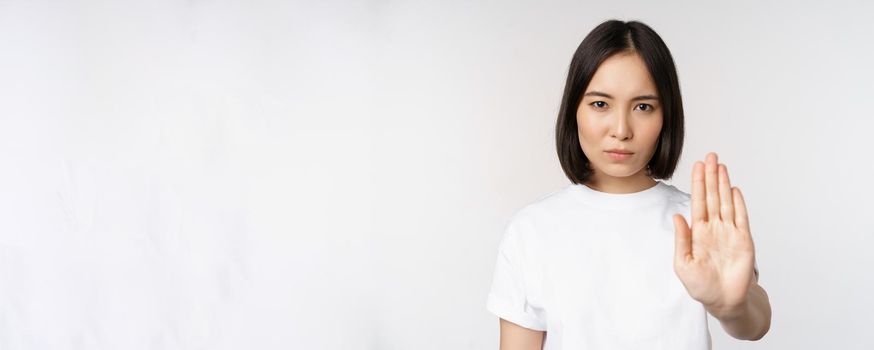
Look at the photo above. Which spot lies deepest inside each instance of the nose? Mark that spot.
(621, 128)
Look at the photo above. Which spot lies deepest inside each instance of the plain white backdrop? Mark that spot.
(337, 175)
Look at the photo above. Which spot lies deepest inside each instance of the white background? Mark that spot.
(337, 175)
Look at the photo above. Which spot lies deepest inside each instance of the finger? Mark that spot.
(711, 187)
(699, 209)
(741, 218)
(726, 207)
(682, 240)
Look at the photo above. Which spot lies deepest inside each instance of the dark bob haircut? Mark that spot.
(609, 38)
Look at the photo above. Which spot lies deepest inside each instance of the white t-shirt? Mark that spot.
(595, 271)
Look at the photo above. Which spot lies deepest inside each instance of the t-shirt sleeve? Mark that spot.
(508, 298)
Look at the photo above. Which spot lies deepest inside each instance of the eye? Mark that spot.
(599, 104)
(649, 107)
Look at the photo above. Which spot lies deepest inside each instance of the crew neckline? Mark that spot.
(601, 199)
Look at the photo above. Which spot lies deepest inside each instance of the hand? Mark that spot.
(715, 259)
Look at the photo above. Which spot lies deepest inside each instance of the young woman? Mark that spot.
(610, 261)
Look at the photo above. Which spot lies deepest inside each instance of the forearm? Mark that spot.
(749, 321)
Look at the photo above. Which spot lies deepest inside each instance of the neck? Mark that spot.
(620, 185)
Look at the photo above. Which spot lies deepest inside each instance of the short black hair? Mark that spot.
(609, 38)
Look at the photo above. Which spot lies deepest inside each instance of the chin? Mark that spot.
(618, 170)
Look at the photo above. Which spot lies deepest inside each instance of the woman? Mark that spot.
(609, 261)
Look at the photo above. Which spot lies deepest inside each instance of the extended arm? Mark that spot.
(749, 321)
(715, 257)
(516, 337)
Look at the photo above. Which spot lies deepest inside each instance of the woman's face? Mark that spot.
(620, 110)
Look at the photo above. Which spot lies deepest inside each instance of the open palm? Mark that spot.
(715, 258)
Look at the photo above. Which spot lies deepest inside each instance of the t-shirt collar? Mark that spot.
(600, 199)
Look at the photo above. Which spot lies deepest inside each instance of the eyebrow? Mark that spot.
(638, 98)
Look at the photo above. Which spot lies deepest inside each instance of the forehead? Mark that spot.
(623, 75)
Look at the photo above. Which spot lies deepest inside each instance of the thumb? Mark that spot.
(682, 240)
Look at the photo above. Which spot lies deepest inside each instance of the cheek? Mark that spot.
(588, 135)
(651, 132)
(587, 128)
(656, 128)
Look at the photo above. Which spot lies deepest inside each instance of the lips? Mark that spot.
(618, 156)
(620, 151)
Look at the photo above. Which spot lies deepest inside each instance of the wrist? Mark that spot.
(731, 311)
(728, 312)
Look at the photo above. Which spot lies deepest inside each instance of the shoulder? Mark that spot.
(680, 200)
(544, 214)
(544, 207)
(677, 194)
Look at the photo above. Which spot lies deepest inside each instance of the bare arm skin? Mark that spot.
(749, 321)
(516, 337)
(715, 256)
